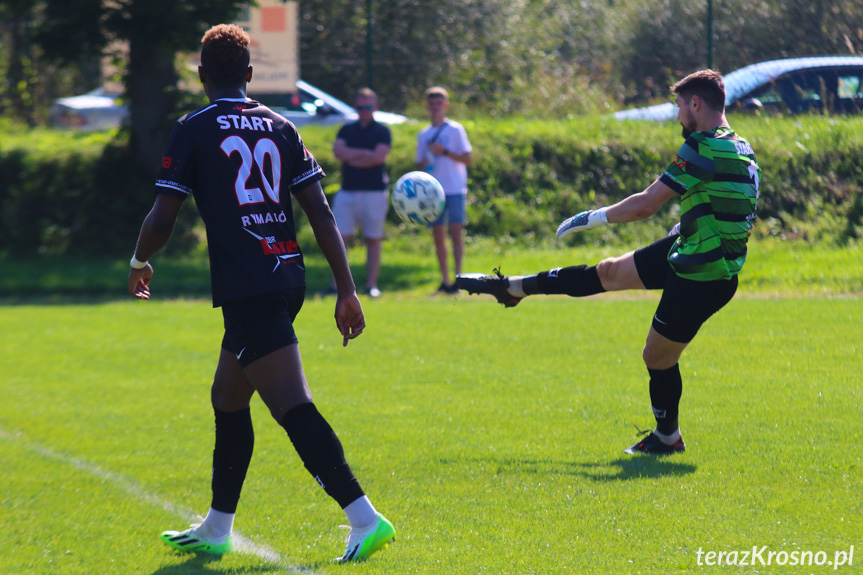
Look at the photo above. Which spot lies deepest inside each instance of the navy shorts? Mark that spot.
(261, 324)
(685, 304)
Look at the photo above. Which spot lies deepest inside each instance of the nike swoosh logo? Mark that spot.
(654, 317)
(241, 353)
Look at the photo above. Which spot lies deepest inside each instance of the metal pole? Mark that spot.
(710, 34)
(369, 73)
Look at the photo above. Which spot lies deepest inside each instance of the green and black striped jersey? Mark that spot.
(717, 178)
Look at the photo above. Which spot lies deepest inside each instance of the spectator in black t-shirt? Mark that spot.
(242, 162)
(363, 201)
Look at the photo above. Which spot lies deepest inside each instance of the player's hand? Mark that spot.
(139, 281)
(675, 230)
(349, 317)
(581, 221)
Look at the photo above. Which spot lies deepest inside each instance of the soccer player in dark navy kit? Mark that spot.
(241, 161)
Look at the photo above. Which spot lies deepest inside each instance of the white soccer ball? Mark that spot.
(418, 198)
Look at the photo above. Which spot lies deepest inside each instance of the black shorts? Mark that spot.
(685, 304)
(261, 324)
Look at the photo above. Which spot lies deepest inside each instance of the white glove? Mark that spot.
(582, 221)
(675, 229)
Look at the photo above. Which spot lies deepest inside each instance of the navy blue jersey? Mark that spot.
(239, 158)
(367, 137)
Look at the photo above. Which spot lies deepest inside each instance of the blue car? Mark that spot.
(823, 84)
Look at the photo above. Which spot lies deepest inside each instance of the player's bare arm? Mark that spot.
(370, 158)
(465, 158)
(155, 233)
(635, 207)
(349, 313)
(345, 153)
(360, 157)
(641, 205)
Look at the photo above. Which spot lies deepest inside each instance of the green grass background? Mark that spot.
(492, 438)
(773, 268)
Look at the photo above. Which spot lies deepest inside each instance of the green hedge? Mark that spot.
(69, 193)
(529, 175)
(72, 193)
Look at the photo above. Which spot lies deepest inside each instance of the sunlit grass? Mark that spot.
(773, 267)
(491, 437)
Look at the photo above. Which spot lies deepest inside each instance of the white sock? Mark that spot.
(361, 513)
(217, 524)
(515, 286)
(669, 439)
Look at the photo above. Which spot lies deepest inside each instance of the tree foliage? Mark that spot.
(151, 33)
(666, 39)
(30, 80)
(501, 56)
(547, 58)
(556, 57)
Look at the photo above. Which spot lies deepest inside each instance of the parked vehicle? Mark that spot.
(311, 105)
(101, 110)
(823, 84)
(96, 110)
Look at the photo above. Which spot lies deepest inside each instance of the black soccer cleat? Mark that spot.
(652, 445)
(494, 285)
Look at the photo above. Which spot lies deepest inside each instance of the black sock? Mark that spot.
(321, 452)
(666, 387)
(575, 281)
(235, 441)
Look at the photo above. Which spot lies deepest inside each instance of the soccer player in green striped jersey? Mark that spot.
(716, 177)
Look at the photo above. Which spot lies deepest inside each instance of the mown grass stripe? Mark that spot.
(135, 489)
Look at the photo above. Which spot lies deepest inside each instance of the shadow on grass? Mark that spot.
(621, 469)
(95, 281)
(636, 467)
(200, 564)
(393, 277)
(196, 564)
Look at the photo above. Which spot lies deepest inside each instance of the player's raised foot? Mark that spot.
(495, 285)
(652, 445)
(190, 541)
(363, 542)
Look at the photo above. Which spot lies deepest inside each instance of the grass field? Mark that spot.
(492, 438)
(773, 268)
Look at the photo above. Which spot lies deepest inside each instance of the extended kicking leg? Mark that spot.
(611, 274)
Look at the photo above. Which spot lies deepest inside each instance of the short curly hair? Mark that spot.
(225, 54)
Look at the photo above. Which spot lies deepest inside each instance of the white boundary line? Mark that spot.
(134, 489)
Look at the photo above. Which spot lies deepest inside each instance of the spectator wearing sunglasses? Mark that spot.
(363, 201)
